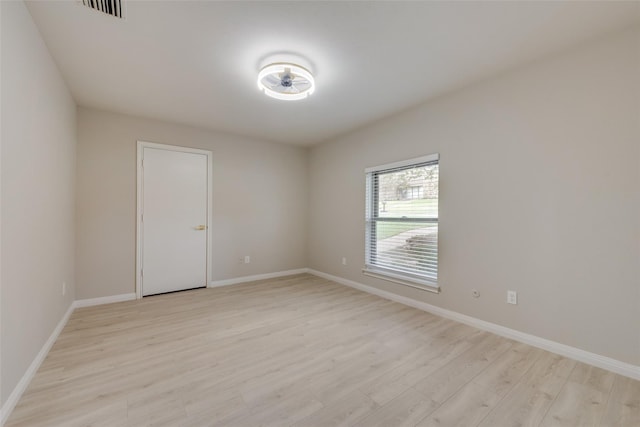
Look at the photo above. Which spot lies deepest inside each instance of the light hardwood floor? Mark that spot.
(304, 351)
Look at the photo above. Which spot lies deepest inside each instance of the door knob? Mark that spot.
(201, 227)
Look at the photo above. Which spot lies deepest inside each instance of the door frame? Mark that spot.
(140, 208)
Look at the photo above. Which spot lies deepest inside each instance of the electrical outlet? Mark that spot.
(344, 261)
(64, 288)
(512, 297)
(247, 259)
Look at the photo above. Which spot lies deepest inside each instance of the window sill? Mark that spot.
(423, 285)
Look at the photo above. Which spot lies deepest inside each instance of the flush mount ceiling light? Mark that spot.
(286, 81)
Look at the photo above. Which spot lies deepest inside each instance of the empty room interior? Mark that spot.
(228, 213)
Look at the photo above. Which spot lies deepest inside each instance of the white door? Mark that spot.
(173, 220)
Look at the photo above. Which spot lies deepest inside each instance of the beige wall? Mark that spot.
(259, 201)
(38, 187)
(540, 193)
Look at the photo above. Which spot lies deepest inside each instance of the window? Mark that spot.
(402, 222)
(416, 192)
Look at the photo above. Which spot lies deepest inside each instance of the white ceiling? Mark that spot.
(196, 62)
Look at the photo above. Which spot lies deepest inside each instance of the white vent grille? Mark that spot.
(110, 7)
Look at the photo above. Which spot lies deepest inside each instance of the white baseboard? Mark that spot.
(19, 389)
(608, 363)
(244, 279)
(103, 300)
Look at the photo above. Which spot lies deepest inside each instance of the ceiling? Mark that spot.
(197, 62)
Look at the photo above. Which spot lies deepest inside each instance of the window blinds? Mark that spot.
(402, 220)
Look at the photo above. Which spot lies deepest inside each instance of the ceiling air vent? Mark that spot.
(110, 7)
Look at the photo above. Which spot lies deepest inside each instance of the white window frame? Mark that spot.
(370, 268)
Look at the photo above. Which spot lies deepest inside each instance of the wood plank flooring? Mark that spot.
(304, 351)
